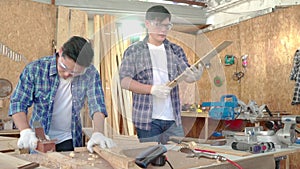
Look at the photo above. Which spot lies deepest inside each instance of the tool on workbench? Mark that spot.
(154, 155)
(199, 154)
(44, 144)
(205, 60)
(211, 155)
(225, 109)
(282, 134)
(253, 147)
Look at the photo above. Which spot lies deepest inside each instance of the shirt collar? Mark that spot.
(53, 69)
(145, 41)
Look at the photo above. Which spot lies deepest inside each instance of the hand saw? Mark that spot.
(204, 60)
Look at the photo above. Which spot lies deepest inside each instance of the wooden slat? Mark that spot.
(116, 160)
(11, 162)
(8, 144)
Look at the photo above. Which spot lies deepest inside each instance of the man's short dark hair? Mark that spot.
(157, 12)
(79, 50)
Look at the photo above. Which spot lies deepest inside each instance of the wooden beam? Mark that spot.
(190, 2)
(117, 161)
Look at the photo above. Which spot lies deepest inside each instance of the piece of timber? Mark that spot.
(10, 162)
(31, 165)
(8, 144)
(117, 161)
(203, 60)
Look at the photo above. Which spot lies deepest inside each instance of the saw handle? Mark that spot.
(149, 155)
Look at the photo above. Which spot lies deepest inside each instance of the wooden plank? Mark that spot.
(11, 162)
(203, 60)
(116, 160)
(8, 144)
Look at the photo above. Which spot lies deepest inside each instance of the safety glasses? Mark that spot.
(161, 26)
(66, 69)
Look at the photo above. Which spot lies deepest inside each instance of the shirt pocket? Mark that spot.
(42, 100)
(78, 97)
(143, 72)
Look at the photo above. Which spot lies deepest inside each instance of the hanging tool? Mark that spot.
(229, 60)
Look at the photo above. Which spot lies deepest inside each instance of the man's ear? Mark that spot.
(60, 51)
(147, 23)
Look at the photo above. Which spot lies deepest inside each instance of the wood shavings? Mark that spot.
(95, 156)
(91, 159)
(72, 154)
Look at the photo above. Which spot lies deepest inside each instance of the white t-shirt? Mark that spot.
(162, 108)
(60, 127)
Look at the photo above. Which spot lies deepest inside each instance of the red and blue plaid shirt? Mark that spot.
(38, 84)
(137, 65)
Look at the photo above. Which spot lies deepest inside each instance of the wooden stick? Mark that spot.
(203, 60)
(117, 161)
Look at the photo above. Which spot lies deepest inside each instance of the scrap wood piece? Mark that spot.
(31, 165)
(11, 162)
(8, 144)
(117, 161)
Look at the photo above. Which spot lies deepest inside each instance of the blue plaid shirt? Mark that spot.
(38, 85)
(137, 65)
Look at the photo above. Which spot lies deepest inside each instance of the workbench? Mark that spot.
(190, 122)
(130, 147)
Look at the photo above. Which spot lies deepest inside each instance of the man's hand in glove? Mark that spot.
(27, 139)
(99, 139)
(193, 74)
(161, 91)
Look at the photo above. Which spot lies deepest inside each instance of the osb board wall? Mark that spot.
(69, 23)
(27, 28)
(270, 41)
(205, 43)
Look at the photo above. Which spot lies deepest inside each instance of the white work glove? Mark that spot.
(99, 139)
(161, 91)
(193, 74)
(27, 139)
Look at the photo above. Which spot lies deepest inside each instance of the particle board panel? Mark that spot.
(79, 23)
(63, 26)
(206, 42)
(270, 41)
(270, 48)
(27, 28)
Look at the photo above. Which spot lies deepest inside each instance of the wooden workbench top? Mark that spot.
(130, 147)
